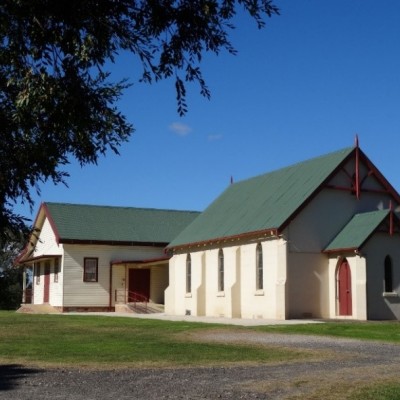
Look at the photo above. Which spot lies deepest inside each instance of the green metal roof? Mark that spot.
(117, 224)
(261, 203)
(358, 230)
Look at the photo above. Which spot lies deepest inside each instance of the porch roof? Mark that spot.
(158, 260)
(358, 230)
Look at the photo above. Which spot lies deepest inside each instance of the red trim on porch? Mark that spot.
(146, 261)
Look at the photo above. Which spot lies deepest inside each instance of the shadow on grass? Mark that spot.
(12, 374)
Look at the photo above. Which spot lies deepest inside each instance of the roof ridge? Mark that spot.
(296, 164)
(118, 207)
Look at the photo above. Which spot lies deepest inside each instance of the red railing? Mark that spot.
(130, 297)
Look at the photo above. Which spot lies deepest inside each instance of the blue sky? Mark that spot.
(302, 87)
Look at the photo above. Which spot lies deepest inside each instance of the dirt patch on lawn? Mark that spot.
(340, 367)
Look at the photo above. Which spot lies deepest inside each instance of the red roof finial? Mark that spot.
(356, 141)
(231, 179)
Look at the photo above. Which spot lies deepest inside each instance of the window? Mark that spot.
(188, 274)
(56, 268)
(220, 270)
(259, 267)
(388, 280)
(37, 273)
(90, 269)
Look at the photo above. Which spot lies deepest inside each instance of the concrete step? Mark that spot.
(140, 308)
(38, 309)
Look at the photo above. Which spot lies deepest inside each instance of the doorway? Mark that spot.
(139, 285)
(344, 288)
(46, 289)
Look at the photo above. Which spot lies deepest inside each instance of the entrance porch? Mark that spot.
(138, 286)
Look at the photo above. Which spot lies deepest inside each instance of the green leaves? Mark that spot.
(57, 100)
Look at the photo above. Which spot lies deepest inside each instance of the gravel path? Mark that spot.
(339, 361)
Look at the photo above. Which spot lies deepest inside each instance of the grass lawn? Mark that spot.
(105, 342)
(53, 340)
(387, 331)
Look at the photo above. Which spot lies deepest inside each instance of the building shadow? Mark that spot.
(12, 374)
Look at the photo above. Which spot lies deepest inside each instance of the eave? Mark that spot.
(112, 242)
(39, 258)
(141, 262)
(270, 232)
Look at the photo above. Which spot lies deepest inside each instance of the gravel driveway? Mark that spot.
(338, 362)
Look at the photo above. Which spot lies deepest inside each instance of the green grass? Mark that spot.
(380, 391)
(112, 342)
(119, 342)
(388, 331)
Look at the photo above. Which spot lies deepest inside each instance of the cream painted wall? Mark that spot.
(240, 299)
(308, 285)
(380, 305)
(323, 218)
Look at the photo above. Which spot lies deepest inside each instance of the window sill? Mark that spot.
(390, 294)
(259, 293)
(188, 295)
(221, 294)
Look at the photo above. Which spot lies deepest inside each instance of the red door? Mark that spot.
(344, 275)
(46, 289)
(139, 285)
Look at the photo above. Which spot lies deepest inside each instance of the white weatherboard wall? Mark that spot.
(78, 293)
(47, 245)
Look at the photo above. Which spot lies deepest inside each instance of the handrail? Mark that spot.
(129, 296)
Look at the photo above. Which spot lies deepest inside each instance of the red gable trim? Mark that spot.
(357, 152)
(314, 194)
(51, 221)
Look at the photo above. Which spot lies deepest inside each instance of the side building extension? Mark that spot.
(99, 258)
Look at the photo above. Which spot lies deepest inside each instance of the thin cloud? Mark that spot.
(180, 129)
(213, 138)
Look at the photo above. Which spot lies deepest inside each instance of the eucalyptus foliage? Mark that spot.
(57, 99)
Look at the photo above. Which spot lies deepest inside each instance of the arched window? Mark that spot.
(259, 267)
(388, 280)
(188, 274)
(220, 270)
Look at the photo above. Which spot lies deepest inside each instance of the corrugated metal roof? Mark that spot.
(119, 224)
(261, 203)
(358, 230)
